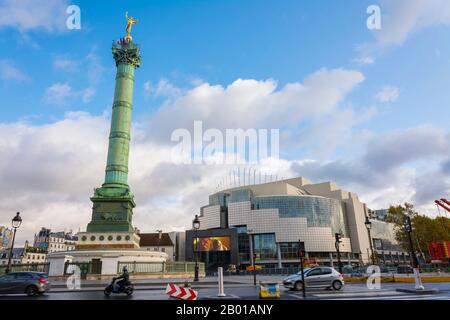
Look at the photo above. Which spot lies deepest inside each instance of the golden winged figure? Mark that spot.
(130, 23)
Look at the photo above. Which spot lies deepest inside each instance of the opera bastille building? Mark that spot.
(270, 219)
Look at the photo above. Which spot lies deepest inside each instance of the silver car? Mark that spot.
(317, 277)
(30, 283)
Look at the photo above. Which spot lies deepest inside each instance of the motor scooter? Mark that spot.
(113, 287)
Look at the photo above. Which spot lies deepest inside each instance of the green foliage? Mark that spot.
(425, 229)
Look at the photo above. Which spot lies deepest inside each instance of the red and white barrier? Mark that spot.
(182, 293)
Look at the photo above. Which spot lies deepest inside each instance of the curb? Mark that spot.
(419, 292)
(141, 288)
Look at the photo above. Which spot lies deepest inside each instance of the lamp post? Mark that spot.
(16, 222)
(196, 226)
(301, 255)
(159, 239)
(252, 254)
(408, 228)
(338, 237)
(369, 226)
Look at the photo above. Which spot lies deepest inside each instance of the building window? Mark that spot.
(163, 249)
(318, 211)
(289, 250)
(265, 246)
(244, 247)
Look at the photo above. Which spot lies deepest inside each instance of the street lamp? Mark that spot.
(16, 222)
(196, 226)
(252, 253)
(369, 226)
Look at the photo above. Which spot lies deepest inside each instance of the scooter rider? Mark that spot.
(124, 278)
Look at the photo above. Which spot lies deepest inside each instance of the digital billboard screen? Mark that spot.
(213, 244)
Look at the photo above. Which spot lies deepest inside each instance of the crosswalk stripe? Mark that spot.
(400, 297)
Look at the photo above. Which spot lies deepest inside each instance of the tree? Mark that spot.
(425, 229)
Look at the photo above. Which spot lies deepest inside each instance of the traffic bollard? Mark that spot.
(221, 291)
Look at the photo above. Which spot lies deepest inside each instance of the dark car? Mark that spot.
(30, 283)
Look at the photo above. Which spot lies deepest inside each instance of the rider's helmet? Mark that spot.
(125, 269)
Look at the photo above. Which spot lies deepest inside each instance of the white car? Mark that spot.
(317, 277)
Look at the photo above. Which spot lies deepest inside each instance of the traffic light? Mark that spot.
(301, 249)
(407, 224)
(338, 237)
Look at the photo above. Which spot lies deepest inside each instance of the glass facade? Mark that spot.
(240, 195)
(289, 250)
(218, 199)
(244, 247)
(318, 211)
(383, 236)
(265, 246)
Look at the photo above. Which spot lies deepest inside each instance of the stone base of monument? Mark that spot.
(106, 260)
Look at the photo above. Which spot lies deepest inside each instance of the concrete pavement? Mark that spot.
(155, 290)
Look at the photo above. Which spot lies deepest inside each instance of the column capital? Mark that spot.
(126, 52)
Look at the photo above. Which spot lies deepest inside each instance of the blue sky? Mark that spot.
(376, 88)
(220, 41)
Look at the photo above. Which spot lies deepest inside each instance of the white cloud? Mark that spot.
(55, 166)
(87, 94)
(164, 88)
(148, 88)
(402, 18)
(9, 72)
(388, 94)
(95, 69)
(51, 169)
(362, 61)
(26, 15)
(253, 104)
(60, 94)
(65, 64)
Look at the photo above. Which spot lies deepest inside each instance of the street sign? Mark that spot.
(181, 293)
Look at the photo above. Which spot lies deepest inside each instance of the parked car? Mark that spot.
(30, 283)
(318, 277)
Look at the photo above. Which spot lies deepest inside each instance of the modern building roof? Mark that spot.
(153, 240)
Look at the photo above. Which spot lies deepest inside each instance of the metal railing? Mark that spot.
(159, 267)
(265, 271)
(32, 267)
(85, 268)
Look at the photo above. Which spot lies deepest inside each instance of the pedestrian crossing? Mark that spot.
(385, 294)
(388, 295)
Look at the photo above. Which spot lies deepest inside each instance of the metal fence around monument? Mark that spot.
(160, 267)
(83, 268)
(31, 267)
